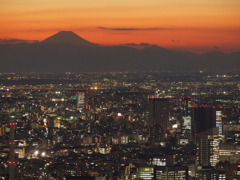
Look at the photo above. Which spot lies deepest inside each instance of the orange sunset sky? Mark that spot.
(192, 25)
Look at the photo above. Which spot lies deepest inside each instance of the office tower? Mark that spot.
(161, 161)
(163, 172)
(186, 102)
(171, 172)
(11, 162)
(208, 147)
(82, 100)
(186, 124)
(159, 112)
(156, 133)
(202, 119)
(186, 118)
(212, 174)
(146, 172)
(219, 124)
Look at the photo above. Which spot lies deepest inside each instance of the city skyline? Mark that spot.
(189, 26)
(107, 126)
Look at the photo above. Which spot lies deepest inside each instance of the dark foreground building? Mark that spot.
(159, 112)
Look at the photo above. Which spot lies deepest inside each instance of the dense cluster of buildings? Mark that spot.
(101, 126)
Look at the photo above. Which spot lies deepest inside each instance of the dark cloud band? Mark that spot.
(130, 29)
(14, 41)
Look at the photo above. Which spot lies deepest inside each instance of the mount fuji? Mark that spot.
(68, 37)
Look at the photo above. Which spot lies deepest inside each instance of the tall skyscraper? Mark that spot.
(159, 112)
(186, 102)
(12, 162)
(202, 119)
(208, 147)
(186, 118)
(219, 124)
(82, 100)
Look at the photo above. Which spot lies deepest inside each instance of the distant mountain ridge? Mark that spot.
(67, 52)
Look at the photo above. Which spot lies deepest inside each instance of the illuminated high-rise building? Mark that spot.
(163, 172)
(219, 124)
(171, 172)
(161, 161)
(186, 125)
(186, 118)
(82, 100)
(213, 174)
(159, 112)
(208, 147)
(146, 172)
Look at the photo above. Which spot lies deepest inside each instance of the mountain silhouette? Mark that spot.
(68, 37)
(67, 52)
